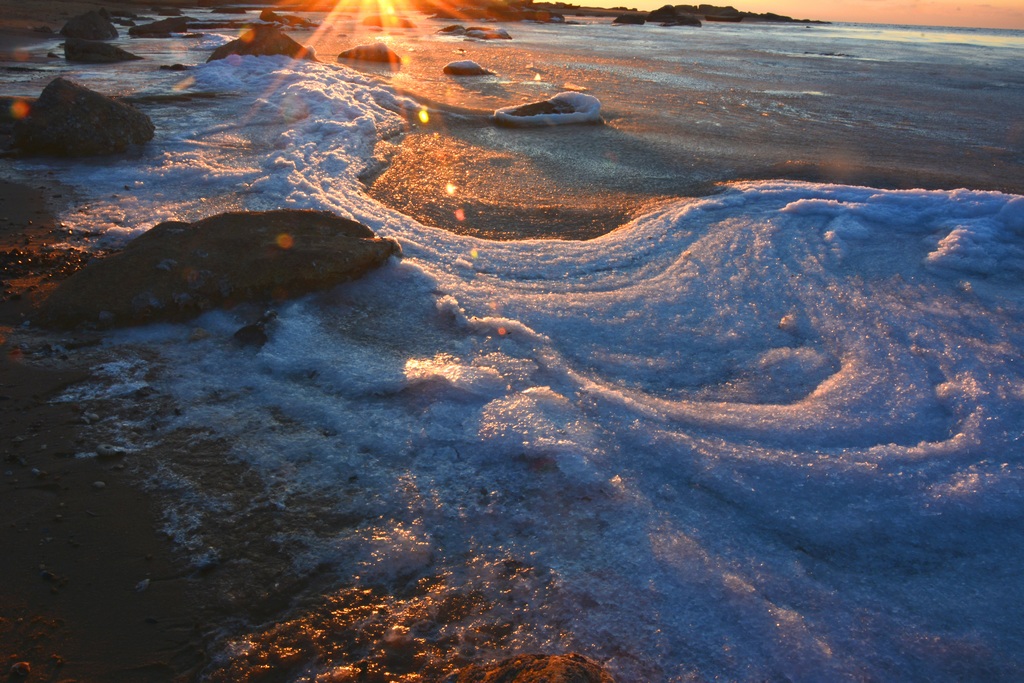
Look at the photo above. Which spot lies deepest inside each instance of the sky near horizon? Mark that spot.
(990, 14)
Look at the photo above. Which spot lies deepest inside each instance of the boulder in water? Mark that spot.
(373, 52)
(68, 119)
(93, 25)
(263, 41)
(667, 15)
(487, 33)
(161, 29)
(272, 17)
(465, 68)
(563, 108)
(630, 18)
(178, 270)
(95, 51)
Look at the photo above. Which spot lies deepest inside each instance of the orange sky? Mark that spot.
(991, 14)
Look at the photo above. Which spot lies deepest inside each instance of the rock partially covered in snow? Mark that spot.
(68, 119)
(465, 68)
(487, 33)
(263, 41)
(178, 270)
(374, 52)
(563, 108)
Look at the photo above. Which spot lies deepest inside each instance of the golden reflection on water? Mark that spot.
(450, 183)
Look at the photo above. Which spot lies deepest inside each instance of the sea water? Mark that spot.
(773, 432)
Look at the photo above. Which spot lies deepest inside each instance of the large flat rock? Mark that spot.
(178, 270)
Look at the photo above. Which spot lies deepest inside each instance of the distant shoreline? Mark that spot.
(30, 20)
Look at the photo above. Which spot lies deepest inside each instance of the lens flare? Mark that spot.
(424, 116)
(460, 215)
(20, 109)
(450, 189)
(285, 241)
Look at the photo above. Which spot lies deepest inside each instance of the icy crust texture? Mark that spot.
(272, 120)
(772, 434)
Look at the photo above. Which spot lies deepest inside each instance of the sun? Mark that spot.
(385, 8)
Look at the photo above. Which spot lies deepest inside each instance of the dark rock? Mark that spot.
(571, 668)
(632, 18)
(93, 25)
(723, 10)
(161, 29)
(454, 29)
(71, 120)
(388, 21)
(173, 67)
(373, 52)
(272, 17)
(94, 51)
(167, 11)
(178, 270)
(263, 41)
(254, 334)
(666, 14)
(683, 19)
(543, 16)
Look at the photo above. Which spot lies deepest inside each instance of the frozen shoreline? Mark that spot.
(761, 424)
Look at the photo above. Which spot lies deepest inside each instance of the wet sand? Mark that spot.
(90, 590)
